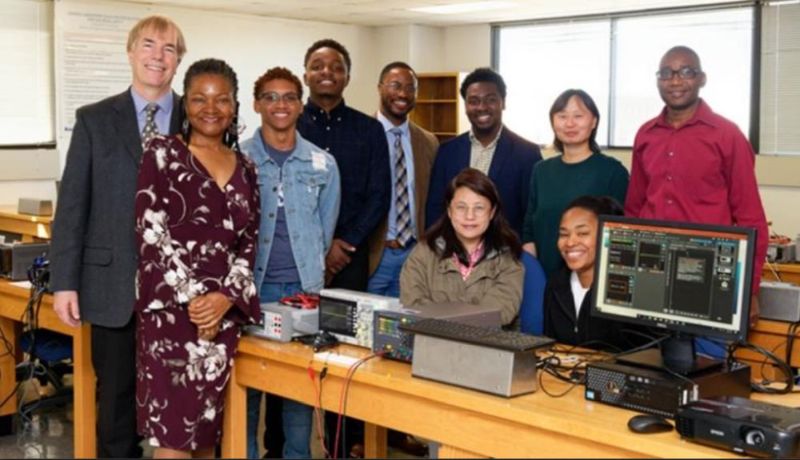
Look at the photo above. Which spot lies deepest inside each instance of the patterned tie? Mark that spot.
(404, 230)
(150, 129)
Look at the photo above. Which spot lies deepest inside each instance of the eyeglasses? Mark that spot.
(462, 210)
(684, 73)
(273, 97)
(397, 86)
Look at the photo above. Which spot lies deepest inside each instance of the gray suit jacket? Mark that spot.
(423, 149)
(93, 250)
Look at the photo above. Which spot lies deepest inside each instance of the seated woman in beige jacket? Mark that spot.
(469, 255)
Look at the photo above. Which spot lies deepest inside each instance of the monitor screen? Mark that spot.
(675, 276)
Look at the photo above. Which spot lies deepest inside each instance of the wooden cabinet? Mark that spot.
(789, 273)
(438, 105)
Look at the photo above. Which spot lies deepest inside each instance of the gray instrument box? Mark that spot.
(16, 258)
(779, 301)
(501, 372)
(283, 322)
(397, 344)
(35, 207)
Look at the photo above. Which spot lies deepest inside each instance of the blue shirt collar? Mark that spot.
(388, 125)
(164, 103)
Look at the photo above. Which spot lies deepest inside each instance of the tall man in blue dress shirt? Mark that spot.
(489, 146)
(93, 250)
(411, 154)
(358, 143)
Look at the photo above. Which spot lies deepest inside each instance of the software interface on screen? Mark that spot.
(672, 276)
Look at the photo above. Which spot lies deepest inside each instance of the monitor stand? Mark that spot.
(676, 355)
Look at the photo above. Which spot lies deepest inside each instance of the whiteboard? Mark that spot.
(91, 61)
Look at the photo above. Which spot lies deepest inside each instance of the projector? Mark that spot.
(742, 425)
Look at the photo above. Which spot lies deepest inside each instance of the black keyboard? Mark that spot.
(488, 337)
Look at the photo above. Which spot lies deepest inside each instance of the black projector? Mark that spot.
(742, 425)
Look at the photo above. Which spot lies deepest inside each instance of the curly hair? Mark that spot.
(211, 66)
(277, 73)
(329, 43)
(480, 75)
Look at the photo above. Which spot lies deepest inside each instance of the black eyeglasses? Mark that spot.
(684, 73)
(397, 86)
(273, 97)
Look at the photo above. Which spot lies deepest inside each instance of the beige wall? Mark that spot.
(427, 49)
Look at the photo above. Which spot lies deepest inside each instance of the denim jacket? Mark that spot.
(312, 192)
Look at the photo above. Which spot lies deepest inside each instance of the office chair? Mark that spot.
(531, 310)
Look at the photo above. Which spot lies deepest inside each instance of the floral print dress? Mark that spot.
(194, 238)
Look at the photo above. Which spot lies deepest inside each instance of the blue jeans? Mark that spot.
(386, 279)
(296, 417)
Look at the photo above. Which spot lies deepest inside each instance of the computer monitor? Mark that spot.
(686, 279)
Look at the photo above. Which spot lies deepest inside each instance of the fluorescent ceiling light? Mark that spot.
(463, 7)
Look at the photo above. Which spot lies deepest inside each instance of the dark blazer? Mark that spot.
(423, 149)
(93, 248)
(561, 324)
(510, 171)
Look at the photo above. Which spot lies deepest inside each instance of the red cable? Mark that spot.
(318, 410)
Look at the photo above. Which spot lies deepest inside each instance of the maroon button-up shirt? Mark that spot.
(701, 172)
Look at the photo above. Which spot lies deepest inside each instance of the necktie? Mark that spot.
(404, 230)
(150, 129)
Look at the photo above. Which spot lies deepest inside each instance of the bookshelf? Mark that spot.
(438, 104)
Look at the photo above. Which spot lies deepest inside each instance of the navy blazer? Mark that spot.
(93, 247)
(511, 169)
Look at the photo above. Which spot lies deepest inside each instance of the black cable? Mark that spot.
(762, 387)
(790, 341)
(348, 379)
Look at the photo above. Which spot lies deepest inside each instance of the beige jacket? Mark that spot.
(495, 281)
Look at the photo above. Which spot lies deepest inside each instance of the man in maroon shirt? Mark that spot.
(690, 164)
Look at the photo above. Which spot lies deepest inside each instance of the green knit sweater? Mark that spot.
(554, 184)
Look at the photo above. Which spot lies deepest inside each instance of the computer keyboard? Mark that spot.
(493, 338)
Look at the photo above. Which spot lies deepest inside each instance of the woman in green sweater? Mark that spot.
(580, 169)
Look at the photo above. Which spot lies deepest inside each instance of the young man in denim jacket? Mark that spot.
(300, 196)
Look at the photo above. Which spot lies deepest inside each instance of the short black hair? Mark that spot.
(483, 74)
(561, 103)
(598, 205)
(329, 43)
(395, 65)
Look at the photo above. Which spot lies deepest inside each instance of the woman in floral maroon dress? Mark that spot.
(197, 218)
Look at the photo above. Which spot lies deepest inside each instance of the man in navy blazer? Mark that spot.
(93, 251)
(489, 146)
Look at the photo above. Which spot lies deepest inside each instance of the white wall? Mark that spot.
(251, 44)
(467, 47)
(255, 43)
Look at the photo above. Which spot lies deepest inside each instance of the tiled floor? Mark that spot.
(45, 434)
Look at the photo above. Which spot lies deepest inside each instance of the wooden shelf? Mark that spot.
(437, 104)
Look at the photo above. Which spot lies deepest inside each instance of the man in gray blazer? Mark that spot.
(93, 251)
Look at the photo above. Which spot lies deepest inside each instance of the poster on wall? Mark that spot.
(90, 44)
